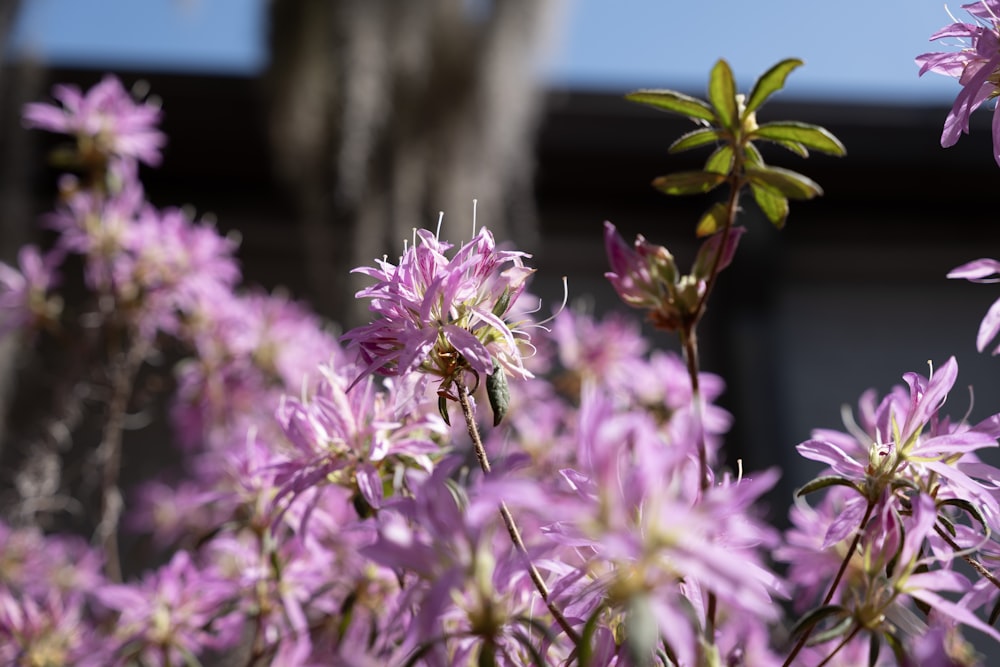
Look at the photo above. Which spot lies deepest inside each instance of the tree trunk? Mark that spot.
(387, 112)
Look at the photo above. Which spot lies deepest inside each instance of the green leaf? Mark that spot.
(816, 616)
(695, 139)
(585, 648)
(713, 220)
(642, 632)
(499, 392)
(688, 182)
(789, 183)
(722, 95)
(486, 656)
(969, 508)
(500, 307)
(769, 83)
(721, 160)
(839, 630)
(772, 203)
(874, 648)
(443, 408)
(825, 482)
(796, 148)
(671, 100)
(751, 155)
(537, 659)
(811, 136)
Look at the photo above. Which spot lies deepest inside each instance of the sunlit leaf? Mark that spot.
(772, 203)
(721, 160)
(671, 100)
(770, 82)
(713, 220)
(811, 136)
(752, 155)
(688, 182)
(796, 148)
(722, 94)
(695, 138)
(789, 183)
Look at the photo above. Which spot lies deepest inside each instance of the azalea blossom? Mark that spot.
(105, 119)
(443, 316)
(24, 291)
(170, 613)
(354, 438)
(468, 588)
(646, 276)
(976, 65)
(894, 481)
(983, 271)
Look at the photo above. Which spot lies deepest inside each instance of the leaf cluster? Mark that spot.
(728, 121)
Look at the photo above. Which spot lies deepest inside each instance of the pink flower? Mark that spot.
(983, 271)
(170, 614)
(976, 66)
(105, 119)
(357, 437)
(443, 316)
(24, 291)
(647, 277)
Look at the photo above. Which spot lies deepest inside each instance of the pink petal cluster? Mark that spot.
(105, 119)
(976, 65)
(443, 315)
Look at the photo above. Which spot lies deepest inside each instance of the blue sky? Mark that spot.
(854, 49)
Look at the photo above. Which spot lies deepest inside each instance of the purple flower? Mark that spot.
(983, 271)
(645, 532)
(905, 439)
(898, 475)
(24, 292)
(443, 316)
(467, 587)
(170, 614)
(97, 227)
(646, 276)
(50, 630)
(976, 66)
(356, 438)
(170, 266)
(105, 120)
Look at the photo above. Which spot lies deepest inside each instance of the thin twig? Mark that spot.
(836, 582)
(975, 564)
(508, 519)
(109, 455)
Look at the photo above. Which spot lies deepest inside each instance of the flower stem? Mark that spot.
(732, 208)
(836, 581)
(973, 563)
(689, 342)
(847, 640)
(508, 519)
(109, 455)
